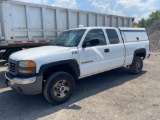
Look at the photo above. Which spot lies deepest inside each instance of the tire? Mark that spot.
(3, 56)
(136, 66)
(9, 52)
(59, 87)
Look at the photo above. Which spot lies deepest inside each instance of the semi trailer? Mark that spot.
(25, 25)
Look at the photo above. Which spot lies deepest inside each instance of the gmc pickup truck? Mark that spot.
(75, 54)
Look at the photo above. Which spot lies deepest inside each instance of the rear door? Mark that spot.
(116, 46)
(94, 59)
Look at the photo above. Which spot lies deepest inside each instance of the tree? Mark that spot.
(142, 23)
(152, 17)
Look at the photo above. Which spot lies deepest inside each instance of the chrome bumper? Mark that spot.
(20, 80)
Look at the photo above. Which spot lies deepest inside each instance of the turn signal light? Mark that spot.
(31, 64)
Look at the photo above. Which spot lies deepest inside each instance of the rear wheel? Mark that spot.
(137, 65)
(59, 87)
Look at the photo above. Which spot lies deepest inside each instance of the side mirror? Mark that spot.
(92, 42)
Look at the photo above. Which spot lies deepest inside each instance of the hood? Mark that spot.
(32, 53)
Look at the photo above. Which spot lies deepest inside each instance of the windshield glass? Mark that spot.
(69, 38)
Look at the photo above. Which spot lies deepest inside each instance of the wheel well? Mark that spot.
(63, 67)
(140, 53)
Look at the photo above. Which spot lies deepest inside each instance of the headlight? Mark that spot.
(26, 63)
(27, 67)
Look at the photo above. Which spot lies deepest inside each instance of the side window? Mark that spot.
(112, 36)
(96, 34)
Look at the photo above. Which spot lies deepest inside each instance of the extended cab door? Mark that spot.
(116, 46)
(94, 58)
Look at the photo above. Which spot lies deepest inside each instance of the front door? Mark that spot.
(94, 59)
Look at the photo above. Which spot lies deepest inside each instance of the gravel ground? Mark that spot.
(113, 95)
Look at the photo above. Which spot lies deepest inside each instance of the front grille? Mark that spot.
(13, 67)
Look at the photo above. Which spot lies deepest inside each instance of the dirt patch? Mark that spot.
(154, 35)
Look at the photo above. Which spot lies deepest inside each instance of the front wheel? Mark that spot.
(136, 66)
(59, 87)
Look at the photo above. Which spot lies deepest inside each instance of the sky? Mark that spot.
(131, 8)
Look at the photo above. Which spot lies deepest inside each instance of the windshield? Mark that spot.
(69, 38)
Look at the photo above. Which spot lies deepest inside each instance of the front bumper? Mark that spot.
(29, 85)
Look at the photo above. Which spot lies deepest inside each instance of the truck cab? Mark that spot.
(75, 54)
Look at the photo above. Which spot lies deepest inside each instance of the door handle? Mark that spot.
(106, 50)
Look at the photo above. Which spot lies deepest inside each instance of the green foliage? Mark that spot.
(152, 17)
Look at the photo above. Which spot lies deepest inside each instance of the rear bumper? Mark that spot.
(28, 86)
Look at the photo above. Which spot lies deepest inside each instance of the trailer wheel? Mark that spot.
(59, 87)
(9, 52)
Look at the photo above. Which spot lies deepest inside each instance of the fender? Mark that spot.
(141, 51)
(72, 62)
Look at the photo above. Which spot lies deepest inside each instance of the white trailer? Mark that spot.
(29, 25)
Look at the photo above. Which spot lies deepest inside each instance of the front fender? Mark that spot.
(72, 62)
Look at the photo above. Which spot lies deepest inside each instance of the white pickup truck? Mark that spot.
(75, 54)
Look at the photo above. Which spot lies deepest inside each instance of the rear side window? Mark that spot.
(112, 36)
